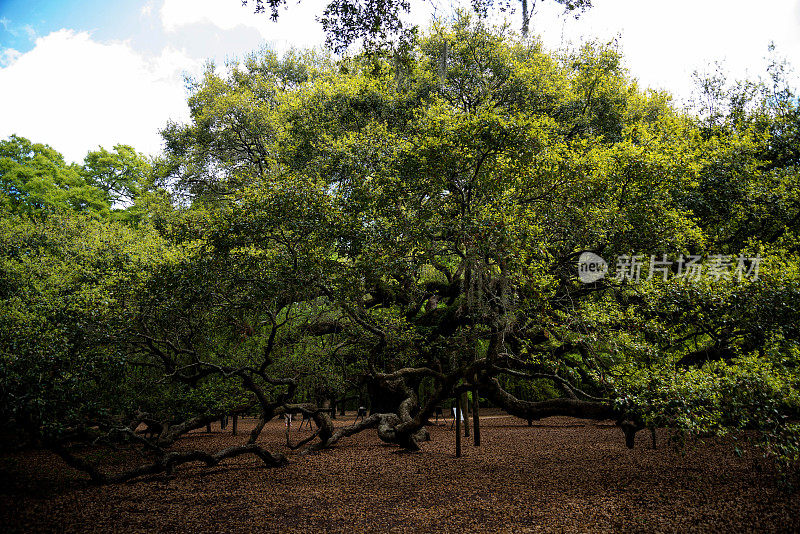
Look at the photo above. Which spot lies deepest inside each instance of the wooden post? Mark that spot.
(465, 404)
(458, 426)
(208, 428)
(234, 423)
(475, 417)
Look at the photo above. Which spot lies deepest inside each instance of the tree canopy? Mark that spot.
(402, 232)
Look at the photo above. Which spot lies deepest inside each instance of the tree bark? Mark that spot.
(526, 18)
(465, 411)
(257, 430)
(167, 463)
(475, 418)
(539, 410)
(458, 426)
(531, 411)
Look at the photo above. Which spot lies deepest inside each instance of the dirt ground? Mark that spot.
(561, 475)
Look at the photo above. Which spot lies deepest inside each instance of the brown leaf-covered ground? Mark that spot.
(561, 475)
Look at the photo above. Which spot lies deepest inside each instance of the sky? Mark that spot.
(79, 74)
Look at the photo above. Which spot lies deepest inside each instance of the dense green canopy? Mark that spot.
(397, 230)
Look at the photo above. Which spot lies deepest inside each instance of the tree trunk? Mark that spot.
(475, 418)
(458, 427)
(257, 430)
(526, 18)
(465, 406)
(384, 397)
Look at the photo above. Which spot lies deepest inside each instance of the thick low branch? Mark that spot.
(567, 407)
(368, 422)
(548, 408)
(411, 372)
(172, 433)
(167, 463)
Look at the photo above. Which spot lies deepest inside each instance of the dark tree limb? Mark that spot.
(548, 408)
(167, 463)
(531, 411)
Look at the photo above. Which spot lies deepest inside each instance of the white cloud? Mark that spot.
(147, 9)
(30, 32)
(8, 56)
(664, 42)
(178, 13)
(296, 26)
(14, 30)
(75, 93)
